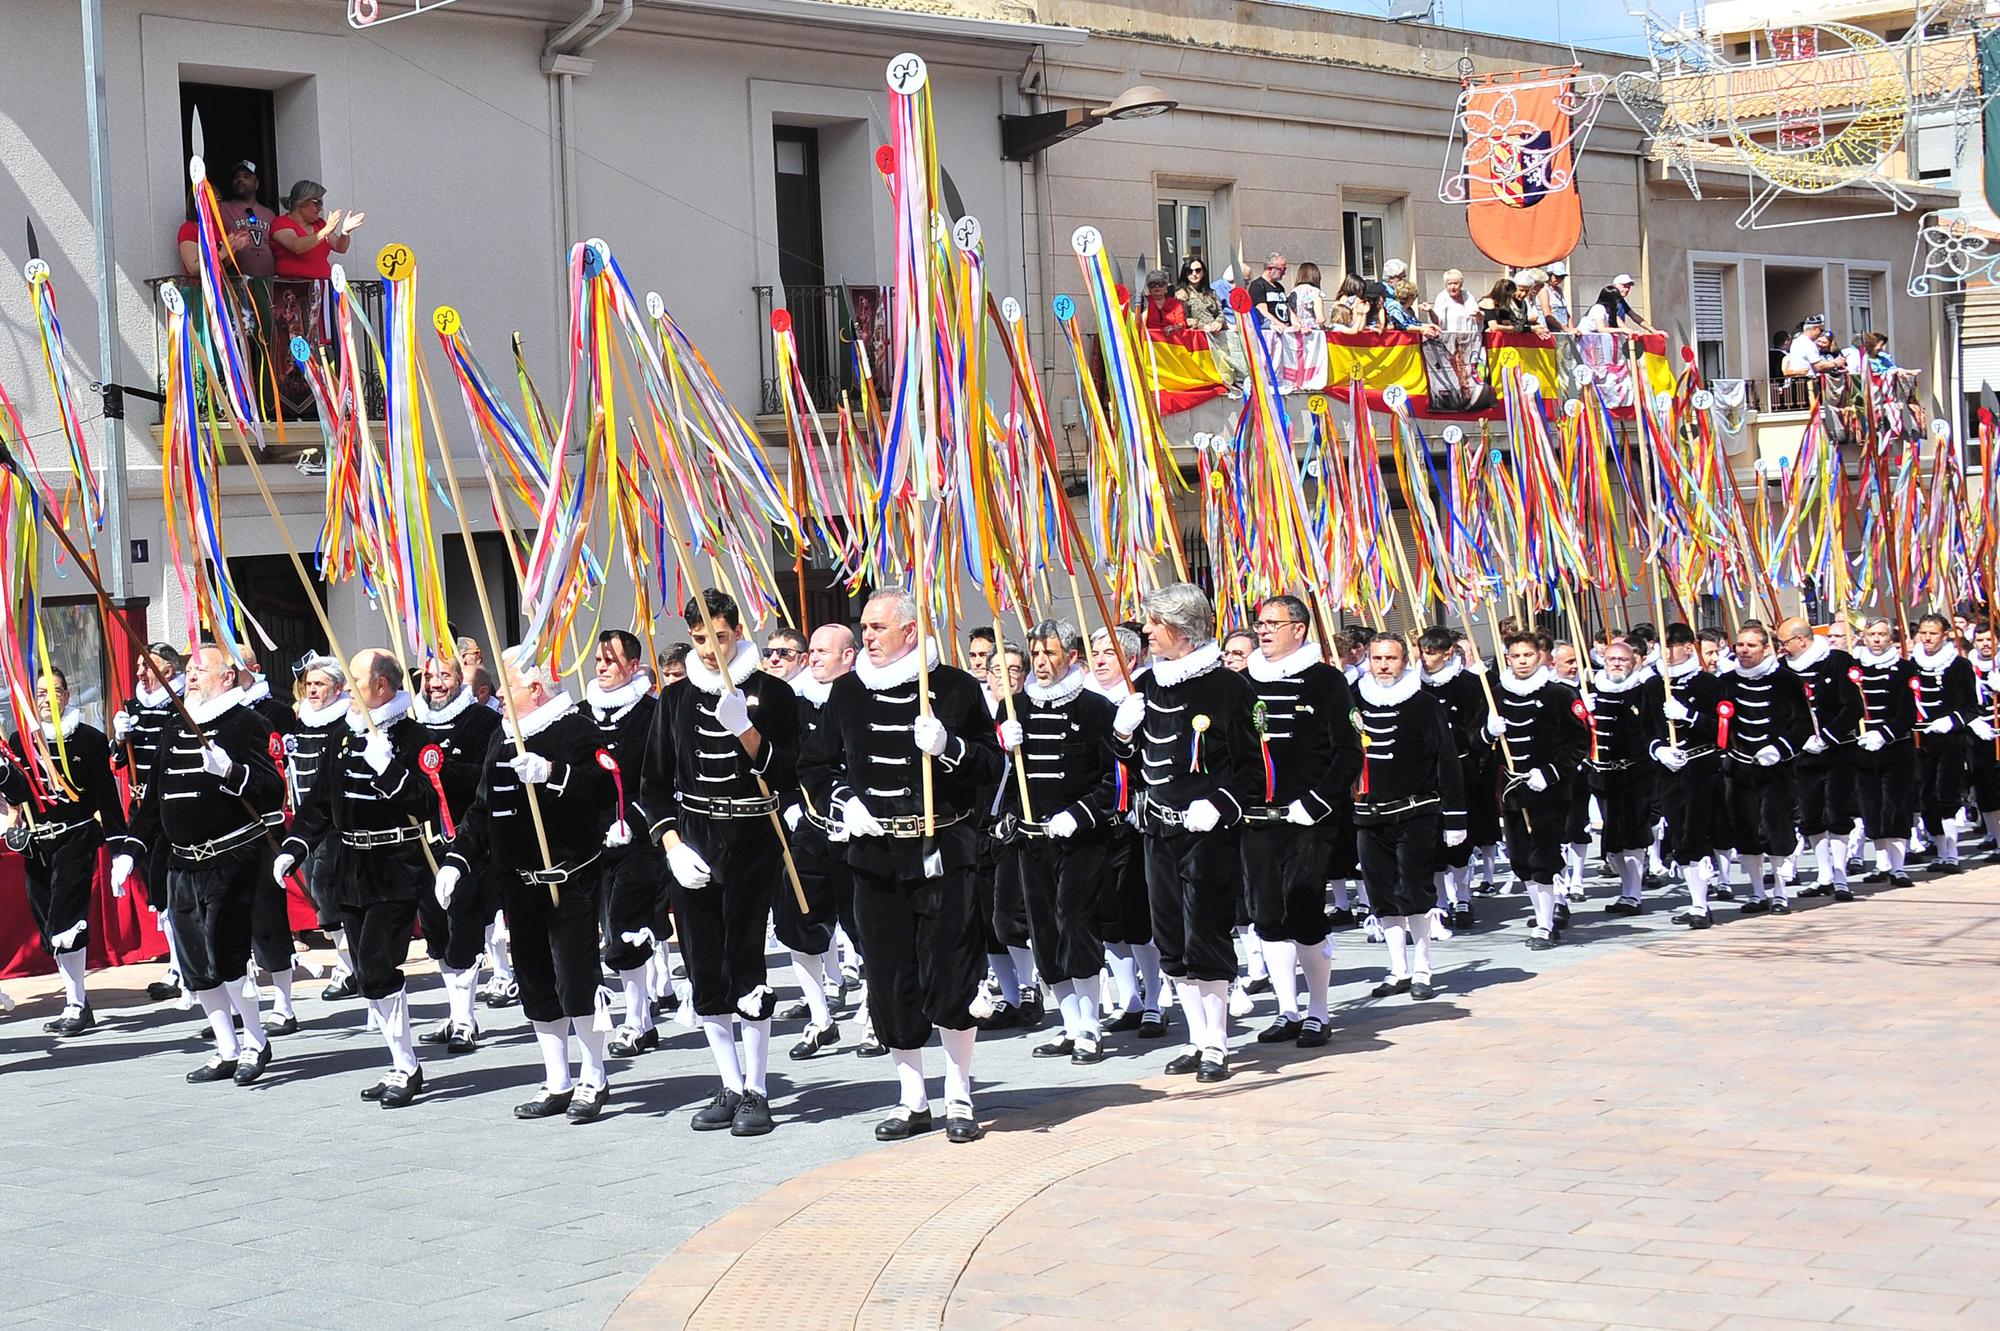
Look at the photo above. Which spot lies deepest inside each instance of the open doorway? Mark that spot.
(237, 125)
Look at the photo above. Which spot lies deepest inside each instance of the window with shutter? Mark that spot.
(1709, 319)
(1934, 146)
(1860, 302)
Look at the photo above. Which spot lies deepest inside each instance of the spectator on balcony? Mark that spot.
(1205, 314)
(1387, 311)
(1164, 312)
(1396, 276)
(1268, 293)
(1503, 309)
(1350, 306)
(1457, 311)
(1613, 313)
(1551, 303)
(307, 237)
(1308, 301)
(248, 223)
(1811, 351)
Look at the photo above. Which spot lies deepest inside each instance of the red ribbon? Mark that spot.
(1854, 674)
(1589, 719)
(1723, 711)
(430, 761)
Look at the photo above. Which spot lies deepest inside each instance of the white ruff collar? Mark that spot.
(70, 720)
(1758, 672)
(388, 714)
(1377, 694)
(1521, 688)
(204, 710)
(550, 712)
(1060, 691)
(314, 717)
(741, 667)
(1811, 656)
(1947, 652)
(1197, 662)
(811, 689)
(1451, 671)
(620, 698)
(158, 697)
(1875, 660)
(422, 710)
(259, 691)
(1691, 666)
(897, 672)
(1606, 684)
(1263, 669)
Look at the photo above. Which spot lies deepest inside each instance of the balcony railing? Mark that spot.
(276, 310)
(827, 321)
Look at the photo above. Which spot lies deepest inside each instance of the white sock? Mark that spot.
(1461, 889)
(1489, 859)
(1836, 860)
(222, 1020)
(1573, 862)
(659, 975)
(811, 971)
(1215, 1008)
(1544, 897)
(1948, 843)
(552, 1038)
(1992, 821)
(1396, 933)
(638, 1002)
(1005, 976)
(757, 1055)
(71, 964)
(395, 1014)
(1342, 898)
(1420, 939)
(1720, 862)
(1065, 996)
(246, 1008)
(1124, 973)
(1753, 869)
(910, 1079)
(1631, 875)
(1146, 959)
(1318, 966)
(1087, 1021)
(1822, 851)
(1897, 852)
(1695, 875)
(591, 1041)
(459, 995)
(1253, 947)
(721, 1033)
(1024, 968)
(957, 1065)
(1195, 1014)
(281, 1006)
(343, 956)
(1283, 960)
(497, 949)
(173, 945)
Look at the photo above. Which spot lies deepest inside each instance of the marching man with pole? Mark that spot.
(1825, 767)
(1683, 743)
(1540, 721)
(919, 930)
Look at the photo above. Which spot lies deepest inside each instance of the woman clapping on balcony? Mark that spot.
(307, 237)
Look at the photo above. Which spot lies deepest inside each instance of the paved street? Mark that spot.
(1550, 1135)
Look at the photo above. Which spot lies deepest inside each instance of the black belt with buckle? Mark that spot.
(714, 807)
(905, 826)
(221, 845)
(555, 876)
(365, 839)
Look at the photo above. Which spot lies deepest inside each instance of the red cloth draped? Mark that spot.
(122, 929)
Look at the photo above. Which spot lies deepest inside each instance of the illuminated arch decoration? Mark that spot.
(364, 14)
(1952, 255)
(1817, 108)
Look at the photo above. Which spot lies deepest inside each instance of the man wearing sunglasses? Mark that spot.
(784, 654)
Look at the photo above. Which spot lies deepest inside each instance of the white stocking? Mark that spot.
(1543, 895)
(1696, 877)
(552, 1039)
(1396, 932)
(958, 1066)
(1753, 869)
(721, 1033)
(757, 1055)
(1897, 851)
(1124, 974)
(1631, 875)
(1005, 976)
(1215, 1013)
(1283, 960)
(638, 1002)
(395, 1014)
(1318, 966)
(1420, 939)
(497, 949)
(71, 964)
(1146, 960)
(811, 971)
(910, 1079)
(1024, 968)
(222, 1020)
(246, 1008)
(1253, 947)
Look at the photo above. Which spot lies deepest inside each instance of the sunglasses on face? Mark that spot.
(781, 653)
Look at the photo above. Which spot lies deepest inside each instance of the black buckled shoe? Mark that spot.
(1282, 1031)
(870, 1047)
(1755, 906)
(1313, 1033)
(718, 1113)
(1152, 1026)
(960, 1126)
(285, 1025)
(1004, 1017)
(339, 987)
(163, 991)
(464, 1040)
(816, 1038)
(794, 1012)
(373, 1093)
(1842, 892)
(1180, 1065)
(1780, 906)
(400, 1088)
(1388, 988)
(1212, 1070)
(73, 1021)
(216, 1069)
(438, 1034)
(587, 1103)
(1060, 1047)
(1421, 989)
(1031, 1007)
(753, 1116)
(628, 1043)
(1123, 1021)
(902, 1124)
(248, 1070)
(1087, 1051)
(546, 1104)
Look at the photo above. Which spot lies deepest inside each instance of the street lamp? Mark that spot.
(1021, 137)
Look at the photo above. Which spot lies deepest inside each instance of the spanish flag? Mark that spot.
(1537, 356)
(1180, 369)
(1378, 360)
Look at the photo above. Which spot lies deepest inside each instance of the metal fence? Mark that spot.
(827, 324)
(274, 311)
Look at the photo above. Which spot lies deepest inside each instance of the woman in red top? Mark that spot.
(305, 239)
(1164, 312)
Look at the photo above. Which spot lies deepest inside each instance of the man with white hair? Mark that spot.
(322, 720)
(906, 774)
(816, 850)
(368, 803)
(545, 753)
(1189, 730)
(212, 784)
(1125, 920)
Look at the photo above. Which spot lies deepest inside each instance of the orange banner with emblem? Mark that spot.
(1523, 206)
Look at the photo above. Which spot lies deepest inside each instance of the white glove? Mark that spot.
(858, 820)
(1454, 839)
(121, 869)
(281, 868)
(1297, 812)
(447, 883)
(793, 817)
(376, 751)
(1670, 756)
(215, 762)
(1201, 816)
(532, 768)
(688, 866)
(1941, 726)
(1131, 711)
(1536, 781)
(1768, 756)
(929, 734)
(732, 712)
(1062, 826)
(1677, 711)
(1871, 740)
(1815, 744)
(1496, 725)
(1010, 735)
(121, 726)
(1983, 728)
